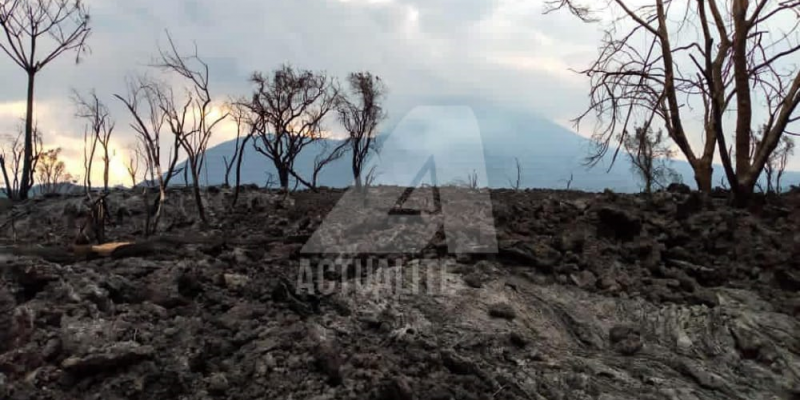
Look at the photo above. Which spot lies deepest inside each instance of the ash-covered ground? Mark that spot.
(589, 296)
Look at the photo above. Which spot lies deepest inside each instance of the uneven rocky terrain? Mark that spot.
(588, 296)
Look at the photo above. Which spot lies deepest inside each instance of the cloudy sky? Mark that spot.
(501, 51)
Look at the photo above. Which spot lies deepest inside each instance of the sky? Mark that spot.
(506, 52)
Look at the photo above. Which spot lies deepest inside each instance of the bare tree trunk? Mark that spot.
(162, 198)
(228, 167)
(186, 176)
(197, 197)
(702, 175)
(283, 176)
(9, 189)
(357, 174)
(87, 161)
(744, 112)
(106, 163)
(357, 167)
(239, 170)
(27, 173)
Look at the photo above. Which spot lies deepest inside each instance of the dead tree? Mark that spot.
(650, 158)
(144, 102)
(472, 180)
(327, 155)
(98, 131)
(287, 110)
(244, 133)
(89, 149)
(132, 165)
(191, 121)
(371, 177)
(230, 163)
(11, 156)
(51, 171)
(360, 112)
(776, 165)
(737, 59)
(239, 115)
(36, 32)
(94, 226)
(515, 184)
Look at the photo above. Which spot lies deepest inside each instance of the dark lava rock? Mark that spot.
(539, 255)
(117, 355)
(517, 339)
(502, 310)
(618, 223)
(396, 388)
(7, 304)
(233, 322)
(681, 188)
(329, 362)
(692, 205)
(474, 280)
(584, 279)
(788, 279)
(218, 383)
(625, 340)
(457, 364)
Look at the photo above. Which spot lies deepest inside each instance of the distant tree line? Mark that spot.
(287, 111)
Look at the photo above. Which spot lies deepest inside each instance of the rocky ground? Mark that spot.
(589, 296)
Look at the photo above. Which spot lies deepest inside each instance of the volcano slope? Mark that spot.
(589, 296)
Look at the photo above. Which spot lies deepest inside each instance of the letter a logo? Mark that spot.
(416, 209)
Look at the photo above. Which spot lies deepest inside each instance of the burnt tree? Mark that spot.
(99, 127)
(651, 67)
(36, 32)
(288, 108)
(360, 113)
(191, 120)
(145, 102)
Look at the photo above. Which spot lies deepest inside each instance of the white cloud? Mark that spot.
(549, 65)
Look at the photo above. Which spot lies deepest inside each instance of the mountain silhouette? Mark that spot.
(550, 155)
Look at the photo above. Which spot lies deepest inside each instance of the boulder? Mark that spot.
(680, 188)
(538, 254)
(618, 223)
(117, 355)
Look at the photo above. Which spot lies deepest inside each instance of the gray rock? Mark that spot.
(584, 279)
(625, 339)
(502, 310)
(5, 204)
(539, 255)
(457, 364)
(117, 355)
(680, 188)
(618, 223)
(235, 281)
(788, 278)
(474, 280)
(217, 383)
(396, 388)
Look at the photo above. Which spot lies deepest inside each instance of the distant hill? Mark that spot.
(548, 153)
